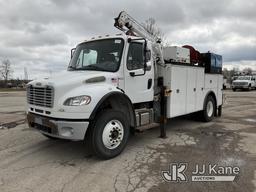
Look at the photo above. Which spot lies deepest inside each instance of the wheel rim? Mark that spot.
(113, 134)
(209, 109)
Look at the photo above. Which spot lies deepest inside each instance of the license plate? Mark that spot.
(38, 121)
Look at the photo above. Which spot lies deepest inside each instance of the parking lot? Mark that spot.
(31, 162)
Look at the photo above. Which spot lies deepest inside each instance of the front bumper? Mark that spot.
(59, 128)
(240, 86)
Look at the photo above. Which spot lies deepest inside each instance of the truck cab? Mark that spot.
(245, 82)
(107, 72)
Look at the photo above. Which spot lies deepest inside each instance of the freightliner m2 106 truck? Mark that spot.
(115, 85)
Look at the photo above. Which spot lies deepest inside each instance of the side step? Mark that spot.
(148, 126)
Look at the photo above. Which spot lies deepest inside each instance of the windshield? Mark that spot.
(244, 78)
(100, 55)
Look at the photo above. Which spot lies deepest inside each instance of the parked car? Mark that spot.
(244, 82)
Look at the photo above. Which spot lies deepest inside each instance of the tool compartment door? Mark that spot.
(176, 104)
(200, 89)
(220, 92)
(211, 81)
(191, 90)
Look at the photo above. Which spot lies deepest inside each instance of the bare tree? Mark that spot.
(226, 73)
(151, 26)
(229, 74)
(5, 70)
(248, 70)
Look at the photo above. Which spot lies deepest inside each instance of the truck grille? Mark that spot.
(240, 83)
(40, 96)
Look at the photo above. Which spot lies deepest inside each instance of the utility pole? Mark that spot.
(25, 73)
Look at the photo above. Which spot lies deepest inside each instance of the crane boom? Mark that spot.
(125, 20)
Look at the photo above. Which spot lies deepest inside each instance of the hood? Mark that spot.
(238, 80)
(75, 78)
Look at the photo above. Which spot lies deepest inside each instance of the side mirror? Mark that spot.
(147, 59)
(147, 55)
(72, 52)
(148, 67)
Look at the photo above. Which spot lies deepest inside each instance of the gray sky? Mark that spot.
(39, 34)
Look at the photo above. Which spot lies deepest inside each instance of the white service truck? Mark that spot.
(118, 84)
(246, 82)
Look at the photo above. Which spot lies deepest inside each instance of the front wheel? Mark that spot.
(209, 109)
(109, 134)
(249, 88)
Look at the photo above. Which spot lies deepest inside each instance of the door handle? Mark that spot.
(132, 74)
(149, 83)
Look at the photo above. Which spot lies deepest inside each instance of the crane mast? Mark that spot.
(125, 20)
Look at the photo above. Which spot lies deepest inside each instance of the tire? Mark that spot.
(234, 89)
(109, 134)
(249, 88)
(209, 109)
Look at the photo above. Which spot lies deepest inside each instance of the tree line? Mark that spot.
(229, 74)
(6, 79)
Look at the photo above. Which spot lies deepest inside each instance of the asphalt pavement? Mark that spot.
(32, 162)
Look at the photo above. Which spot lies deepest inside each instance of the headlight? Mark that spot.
(78, 100)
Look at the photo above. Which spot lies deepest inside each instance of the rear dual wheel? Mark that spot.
(209, 109)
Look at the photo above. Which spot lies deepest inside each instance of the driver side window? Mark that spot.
(135, 57)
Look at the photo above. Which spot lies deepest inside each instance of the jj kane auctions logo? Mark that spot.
(177, 173)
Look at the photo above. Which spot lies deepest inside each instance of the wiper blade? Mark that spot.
(71, 67)
(88, 67)
(92, 67)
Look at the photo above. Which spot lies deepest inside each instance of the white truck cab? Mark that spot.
(247, 82)
(117, 84)
(96, 71)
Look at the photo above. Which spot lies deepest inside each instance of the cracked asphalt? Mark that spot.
(31, 162)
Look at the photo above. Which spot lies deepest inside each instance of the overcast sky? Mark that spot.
(38, 34)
